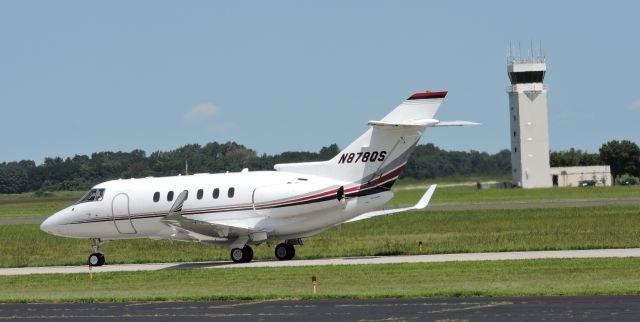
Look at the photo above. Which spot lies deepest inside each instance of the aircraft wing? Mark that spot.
(423, 203)
(192, 229)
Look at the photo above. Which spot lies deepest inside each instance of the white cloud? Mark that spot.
(202, 111)
(636, 105)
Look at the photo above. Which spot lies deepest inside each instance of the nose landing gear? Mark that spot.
(96, 258)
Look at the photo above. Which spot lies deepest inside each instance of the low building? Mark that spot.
(571, 176)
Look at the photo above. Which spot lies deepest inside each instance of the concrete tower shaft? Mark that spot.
(529, 123)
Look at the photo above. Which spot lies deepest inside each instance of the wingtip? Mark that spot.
(426, 198)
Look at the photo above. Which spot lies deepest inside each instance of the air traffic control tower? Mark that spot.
(528, 119)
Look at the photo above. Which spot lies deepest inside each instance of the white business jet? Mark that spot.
(237, 210)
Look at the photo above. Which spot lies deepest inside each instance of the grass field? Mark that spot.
(27, 205)
(440, 232)
(490, 278)
(466, 194)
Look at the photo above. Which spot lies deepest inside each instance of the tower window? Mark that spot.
(526, 77)
(515, 149)
(514, 133)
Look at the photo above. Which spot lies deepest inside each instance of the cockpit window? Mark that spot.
(92, 195)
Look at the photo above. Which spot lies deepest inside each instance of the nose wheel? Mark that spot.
(96, 258)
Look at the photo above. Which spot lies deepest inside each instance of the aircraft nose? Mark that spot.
(47, 225)
(52, 225)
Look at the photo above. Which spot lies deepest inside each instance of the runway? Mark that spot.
(593, 253)
(551, 308)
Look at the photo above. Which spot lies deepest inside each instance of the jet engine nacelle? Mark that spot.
(288, 200)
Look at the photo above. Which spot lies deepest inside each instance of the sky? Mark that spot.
(78, 77)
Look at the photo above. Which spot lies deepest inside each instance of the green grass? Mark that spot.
(451, 180)
(489, 278)
(33, 209)
(30, 205)
(448, 195)
(440, 232)
(18, 197)
(27, 205)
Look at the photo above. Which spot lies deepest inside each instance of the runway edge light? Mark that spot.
(314, 281)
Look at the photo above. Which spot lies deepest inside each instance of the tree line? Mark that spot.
(83, 171)
(427, 162)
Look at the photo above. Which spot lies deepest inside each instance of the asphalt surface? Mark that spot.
(588, 308)
(593, 253)
(38, 219)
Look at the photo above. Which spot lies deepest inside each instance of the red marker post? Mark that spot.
(314, 281)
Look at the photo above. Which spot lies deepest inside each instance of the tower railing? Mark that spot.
(527, 87)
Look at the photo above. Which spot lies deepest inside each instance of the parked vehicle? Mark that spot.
(586, 183)
(629, 182)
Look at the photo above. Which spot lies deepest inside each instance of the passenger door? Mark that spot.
(120, 214)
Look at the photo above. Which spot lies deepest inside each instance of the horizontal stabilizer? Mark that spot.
(423, 203)
(422, 123)
(456, 123)
(417, 123)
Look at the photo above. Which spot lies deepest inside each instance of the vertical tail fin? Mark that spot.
(379, 155)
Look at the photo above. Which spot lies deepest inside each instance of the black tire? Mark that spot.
(247, 254)
(291, 251)
(96, 259)
(285, 252)
(237, 255)
(102, 259)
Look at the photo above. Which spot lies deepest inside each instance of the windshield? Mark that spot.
(92, 195)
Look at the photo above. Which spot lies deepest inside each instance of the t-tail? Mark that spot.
(379, 155)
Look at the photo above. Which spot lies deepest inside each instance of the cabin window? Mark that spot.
(231, 192)
(92, 195)
(170, 196)
(216, 193)
(156, 196)
(199, 194)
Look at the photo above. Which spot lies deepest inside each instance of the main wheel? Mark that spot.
(96, 259)
(242, 255)
(237, 254)
(248, 254)
(285, 251)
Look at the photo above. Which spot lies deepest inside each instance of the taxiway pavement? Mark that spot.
(548, 308)
(591, 253)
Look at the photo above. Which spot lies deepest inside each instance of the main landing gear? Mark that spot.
(285, 251)
(96, 258)
(242, 255)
